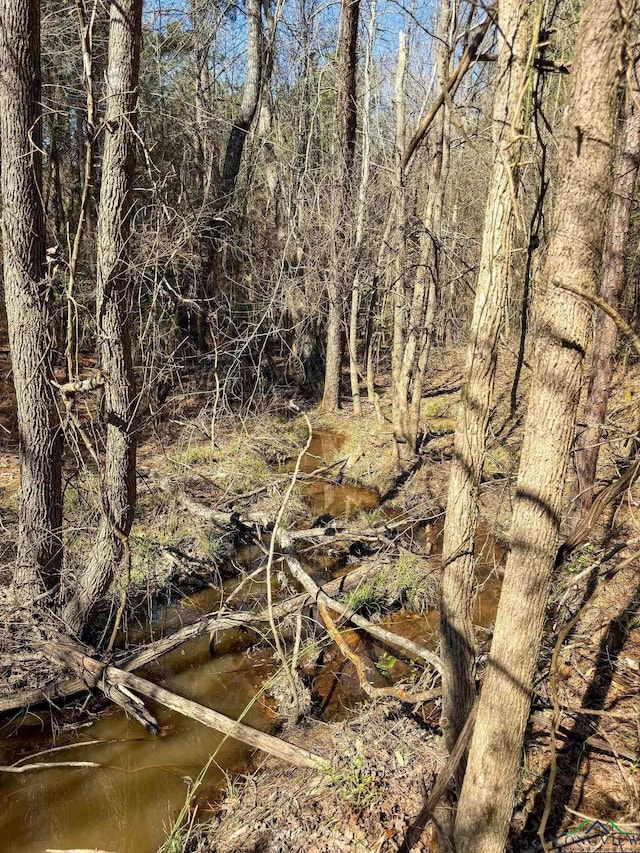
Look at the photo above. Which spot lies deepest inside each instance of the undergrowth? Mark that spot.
(406, 581)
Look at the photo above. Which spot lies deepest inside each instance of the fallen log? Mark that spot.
(409, 647)
(208, 624)
(372, 692)
(248, 521)
(113, 680)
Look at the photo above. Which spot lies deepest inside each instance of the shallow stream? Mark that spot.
(128, 802)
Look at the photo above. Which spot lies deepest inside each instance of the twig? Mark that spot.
(26, 768)
(272, 547)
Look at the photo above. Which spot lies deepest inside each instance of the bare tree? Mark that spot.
(458, 646)
(113, 310)
(583, 188)
(27, 289)
(346, 121)
(361, 210)
(413, 342)
(214, 223)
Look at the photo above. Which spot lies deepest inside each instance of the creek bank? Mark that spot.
(227, 682)
(383, 758)
(194, 543)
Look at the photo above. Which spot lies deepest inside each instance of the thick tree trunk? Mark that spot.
(113, 306)
(27, 298)
(611, 290)
(346, 123)
(456, 625)
(574, 255)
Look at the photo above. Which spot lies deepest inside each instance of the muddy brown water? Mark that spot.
(128, 802)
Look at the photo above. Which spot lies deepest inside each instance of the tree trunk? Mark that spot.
(417, 338)
(362, 202)
(27, 291)
(611, 290)
(574, 255)
(113, 306)
(212, 228)
(333, 352)
(456, 625)
(399, 291)
(249, 103)
(346, 123)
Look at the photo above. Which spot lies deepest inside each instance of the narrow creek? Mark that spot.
(127, 803)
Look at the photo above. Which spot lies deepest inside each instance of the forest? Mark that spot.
(319, 426)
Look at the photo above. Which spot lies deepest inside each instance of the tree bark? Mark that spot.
(611, 289)
(399, 289)
(346, 123)
(113, 308)
(362, 202)
(583, 188)
(456, 624)
(27, 290)
(249, 103)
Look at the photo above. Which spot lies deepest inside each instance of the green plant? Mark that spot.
(375, 517)
(385, 663)
(181, 830)
(190, 454)
(354, 782)
(406, 581)
(365, 598)
(211, 547)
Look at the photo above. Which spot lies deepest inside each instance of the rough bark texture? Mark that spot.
(400, 224)
(611, 290)
(113, 298)
(457, 638)
(346, 122)
(361, 208)
(583, 187)
(27, 289)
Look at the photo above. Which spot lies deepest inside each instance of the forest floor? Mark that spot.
(384, 753)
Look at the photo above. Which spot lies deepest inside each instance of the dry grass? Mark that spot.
(372, 790)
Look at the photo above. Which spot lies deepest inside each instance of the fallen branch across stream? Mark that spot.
(113, 680)
(411, 649)
(208, 624)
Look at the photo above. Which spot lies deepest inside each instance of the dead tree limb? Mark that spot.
(411, 649)
(396, 692)
(207, 624)
(117, 683)
(449, 89)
